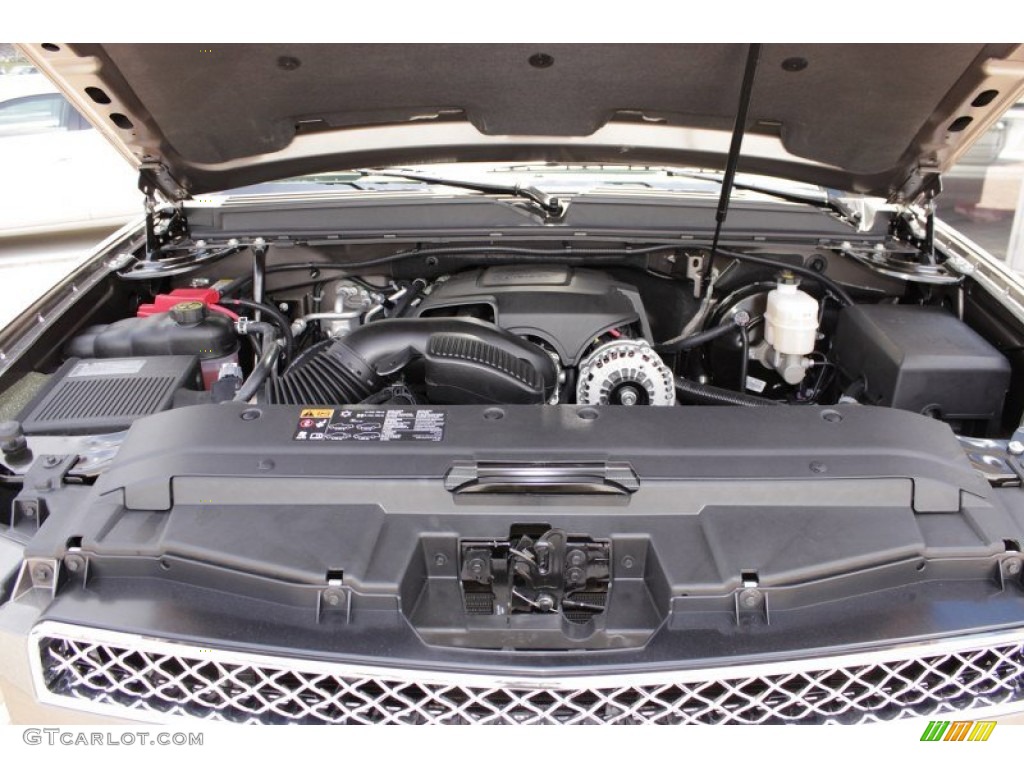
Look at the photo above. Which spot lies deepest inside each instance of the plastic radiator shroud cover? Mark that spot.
(235, 504)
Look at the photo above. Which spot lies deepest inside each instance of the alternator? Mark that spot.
(625, 372)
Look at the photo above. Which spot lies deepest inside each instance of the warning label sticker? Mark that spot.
(317, 413)
(377, 425)
(124, 367)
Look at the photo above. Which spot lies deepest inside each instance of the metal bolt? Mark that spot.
(119, 261)
(1012, 567)
(576, 557)
(628, 396)
(331, 597)
(628, 562)
(42, 573)
(476, 566)
(545, 602)
(574, 575)
(1015, 447)
(750, 598)
(440, 559)
(74, 563)
(29, 510)
(51, 461)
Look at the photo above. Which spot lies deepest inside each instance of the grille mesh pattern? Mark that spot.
(159, 678)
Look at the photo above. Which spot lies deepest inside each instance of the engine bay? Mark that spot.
(530, 332)
(541, 440)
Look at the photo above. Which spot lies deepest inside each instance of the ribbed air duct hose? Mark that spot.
(319, 379)
(457, 360)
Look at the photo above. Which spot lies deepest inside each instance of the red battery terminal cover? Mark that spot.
(163, 302)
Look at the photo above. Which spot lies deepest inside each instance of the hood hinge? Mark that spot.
(862, 212)
(164, 219)
(924, 181)
(155, 178)
(919, 216)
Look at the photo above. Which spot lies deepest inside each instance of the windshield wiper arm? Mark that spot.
(550, 205)
(821, 199)
(859, 211)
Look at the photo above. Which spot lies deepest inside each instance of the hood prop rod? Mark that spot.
(746, 90)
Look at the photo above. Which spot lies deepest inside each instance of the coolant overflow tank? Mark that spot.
(188, 329)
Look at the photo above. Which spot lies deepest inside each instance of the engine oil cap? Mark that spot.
(188, 312)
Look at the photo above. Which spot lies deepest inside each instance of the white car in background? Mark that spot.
(59, 173)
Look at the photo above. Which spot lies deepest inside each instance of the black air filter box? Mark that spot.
(107, 395)
(921, 359)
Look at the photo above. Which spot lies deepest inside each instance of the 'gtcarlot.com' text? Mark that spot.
(53, 737)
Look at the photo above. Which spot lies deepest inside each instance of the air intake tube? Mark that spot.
(458, 361)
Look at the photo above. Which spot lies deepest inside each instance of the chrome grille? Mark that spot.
(144, 678)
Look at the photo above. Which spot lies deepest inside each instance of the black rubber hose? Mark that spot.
(269, 352)
(704, 394)
(694, 340)
(412, 293)
(764, 261)
(274, 314)
(260, 371)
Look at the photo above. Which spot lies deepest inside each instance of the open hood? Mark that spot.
(884, 120)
